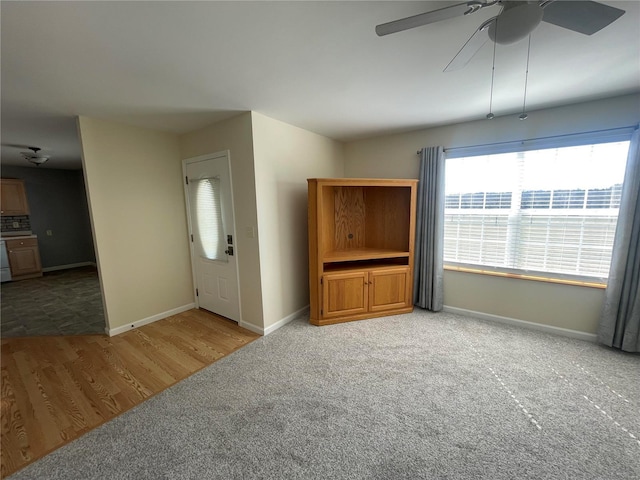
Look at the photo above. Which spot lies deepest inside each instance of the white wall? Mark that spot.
(235, 135)
(136, 200)
(394, 156)
(285, 156)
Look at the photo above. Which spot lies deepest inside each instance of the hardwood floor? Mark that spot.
(54, 389)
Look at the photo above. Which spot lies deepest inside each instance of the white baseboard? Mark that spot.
(154, 318)
(285, 320)
(68, 266)
(565, 332)
(275, 326)
(251, 327)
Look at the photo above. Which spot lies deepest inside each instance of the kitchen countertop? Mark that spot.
(4, 236)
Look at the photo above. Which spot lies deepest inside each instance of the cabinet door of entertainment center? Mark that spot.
(344, 293)
(389, 289)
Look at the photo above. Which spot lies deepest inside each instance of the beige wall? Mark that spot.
(134, 179)
(394, 156)
(235, 135)
(564, 306)
(285, 156)
(134, 182)
(136, 199)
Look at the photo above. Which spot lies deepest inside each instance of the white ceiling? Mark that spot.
(178, 66)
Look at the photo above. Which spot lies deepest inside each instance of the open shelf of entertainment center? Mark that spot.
(361, 242)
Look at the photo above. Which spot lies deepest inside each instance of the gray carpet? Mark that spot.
(434, 396)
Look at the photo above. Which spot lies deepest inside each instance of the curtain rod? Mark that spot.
(522, 142)
(418, 152)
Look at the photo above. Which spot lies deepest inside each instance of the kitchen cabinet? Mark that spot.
(13, 197)
(24, 258)
(361, 248)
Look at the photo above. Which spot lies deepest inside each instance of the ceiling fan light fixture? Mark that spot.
(516, 22)
(38, 160)
(35, 157)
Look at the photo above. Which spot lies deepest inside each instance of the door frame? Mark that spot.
(210, 156)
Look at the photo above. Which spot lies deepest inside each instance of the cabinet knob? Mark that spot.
(21, 243)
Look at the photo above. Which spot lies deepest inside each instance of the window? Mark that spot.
(552, 210)
(208, 228)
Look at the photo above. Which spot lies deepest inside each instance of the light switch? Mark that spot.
(49, 233)
(16, 225)
(250, 232)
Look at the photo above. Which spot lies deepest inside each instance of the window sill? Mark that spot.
(536, 278)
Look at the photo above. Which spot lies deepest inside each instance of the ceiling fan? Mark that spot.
(34, 157)
(516, 20)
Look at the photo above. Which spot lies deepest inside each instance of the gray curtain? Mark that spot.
(428, 278)
(620, 320)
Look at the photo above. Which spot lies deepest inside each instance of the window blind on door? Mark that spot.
(209, 237)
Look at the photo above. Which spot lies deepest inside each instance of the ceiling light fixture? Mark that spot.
(518, 20)
(35, 157)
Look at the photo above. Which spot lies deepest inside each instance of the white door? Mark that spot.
(212, 234)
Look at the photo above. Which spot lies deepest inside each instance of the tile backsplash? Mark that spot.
(8, 222)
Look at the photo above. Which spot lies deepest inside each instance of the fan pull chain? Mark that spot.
(523, 115)
(490, 115)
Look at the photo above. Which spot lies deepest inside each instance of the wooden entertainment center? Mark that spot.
(361, 246)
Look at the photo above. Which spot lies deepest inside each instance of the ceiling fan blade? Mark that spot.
(429, 17)
(469, 49)
(581, 16)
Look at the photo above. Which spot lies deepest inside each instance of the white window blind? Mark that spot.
(552, 210)
(208, 229)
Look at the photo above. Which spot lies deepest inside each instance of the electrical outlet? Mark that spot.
(49, 233)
